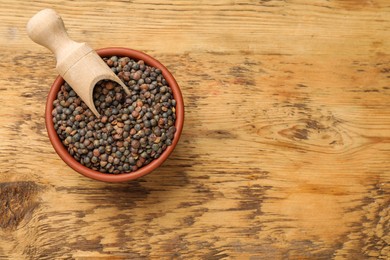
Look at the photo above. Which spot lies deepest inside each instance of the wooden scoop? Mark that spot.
(79, 65)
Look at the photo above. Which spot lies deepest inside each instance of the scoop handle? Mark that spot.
(47, 29)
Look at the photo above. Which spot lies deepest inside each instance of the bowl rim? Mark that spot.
(78, 167)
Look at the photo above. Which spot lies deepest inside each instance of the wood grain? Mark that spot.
(284, 153)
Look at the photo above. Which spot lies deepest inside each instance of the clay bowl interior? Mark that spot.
(75, 165)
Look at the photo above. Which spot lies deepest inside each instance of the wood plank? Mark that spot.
(284, 153)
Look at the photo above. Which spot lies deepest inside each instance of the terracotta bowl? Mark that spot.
(75, 165)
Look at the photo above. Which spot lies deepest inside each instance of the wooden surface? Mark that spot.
(285, 152)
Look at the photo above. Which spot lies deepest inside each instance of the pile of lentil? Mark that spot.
(132, 129)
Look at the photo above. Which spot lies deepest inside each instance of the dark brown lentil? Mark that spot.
(131, 131)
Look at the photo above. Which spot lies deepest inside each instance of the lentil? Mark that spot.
(131, 131)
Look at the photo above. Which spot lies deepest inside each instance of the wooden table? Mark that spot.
(285, 152)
